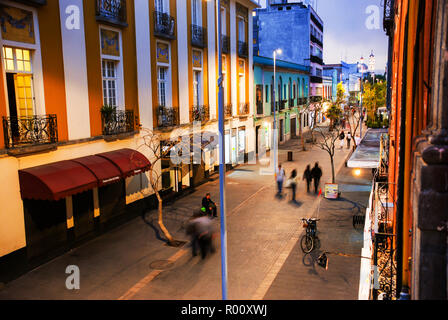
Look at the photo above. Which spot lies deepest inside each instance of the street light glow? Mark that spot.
(357, 172)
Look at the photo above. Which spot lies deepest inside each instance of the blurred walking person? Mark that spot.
(280, 178)
(292, 183)
(349, 139)
(202, 231)
(316, 173)
(308, 177)
(341, 139)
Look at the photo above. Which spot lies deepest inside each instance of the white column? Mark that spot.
(182, 52)
(212, 72)
(234, 57)
(75, 68)
(142, 38)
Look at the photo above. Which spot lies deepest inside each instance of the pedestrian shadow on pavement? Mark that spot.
(296, 204)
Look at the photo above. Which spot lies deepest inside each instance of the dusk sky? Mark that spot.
(346, 36)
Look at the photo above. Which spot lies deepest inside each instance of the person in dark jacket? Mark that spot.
(308, 177)
(316, 173)
(209, 205)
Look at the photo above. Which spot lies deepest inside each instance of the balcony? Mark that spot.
(118, 122)
(316, 41)
(198, 36)
(316, 59)
(260, 110)
(167, 117)
(112, 12)
(283, 104)
(200, 113)
(243, 109)
(164, 25)
(291, 103)
(389, 15)
(228, 111)
(242, 49)
(316, 79)
(225, 42)
(30, 131)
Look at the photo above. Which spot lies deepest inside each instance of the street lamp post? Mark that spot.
(278, 51)
(222, 161)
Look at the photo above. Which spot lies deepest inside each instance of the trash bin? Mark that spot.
(289, 155)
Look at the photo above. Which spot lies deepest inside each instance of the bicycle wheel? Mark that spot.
(307, 243)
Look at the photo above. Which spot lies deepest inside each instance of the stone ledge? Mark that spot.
(23, 151)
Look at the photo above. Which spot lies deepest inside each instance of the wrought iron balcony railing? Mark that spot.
(291, 103)
(228, 111)
(389, 13)
(283, 104)
(260, 108)
(242, 49)
(200, 113)
(167, 117)
(225, 42)
(243, 109)
(316, 59)
(29, 131)
(111, 11)
(117, 122)
(198, 36)
(164, 25)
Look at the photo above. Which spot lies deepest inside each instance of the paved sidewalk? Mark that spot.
(125, 259)
(301, 278)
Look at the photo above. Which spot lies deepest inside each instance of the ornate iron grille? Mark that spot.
(389, 13)
(120, 121)
(243, 108)
(283, 104)
(225, 42)
(291, 103)
(242, 49)
(384, 254)
(35, 130)
(302, 101)
(164, 25)
(200, 113)
(167, 117)
(112, 10)
(315, 99)
(228, 110)
(198, 36)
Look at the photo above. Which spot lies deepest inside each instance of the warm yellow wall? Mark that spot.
(3, 107)
(12, 223)
(174, 60)
(53, 65)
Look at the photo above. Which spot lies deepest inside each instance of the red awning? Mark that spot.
(55, 181)
(105, 171)
(130, 162)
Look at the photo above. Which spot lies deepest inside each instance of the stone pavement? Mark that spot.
(133, 262)
(301, 278)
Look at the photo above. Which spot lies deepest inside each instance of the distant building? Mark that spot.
(291, 94)
(295, 28)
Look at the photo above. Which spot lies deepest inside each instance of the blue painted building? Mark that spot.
(292, 91)
(297, 30)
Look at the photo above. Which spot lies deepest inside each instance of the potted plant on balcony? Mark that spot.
(107, 114)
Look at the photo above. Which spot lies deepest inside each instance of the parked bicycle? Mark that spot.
(309, 238)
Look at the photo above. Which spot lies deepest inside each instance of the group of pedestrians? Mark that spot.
(309, 175)
(348, 138)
